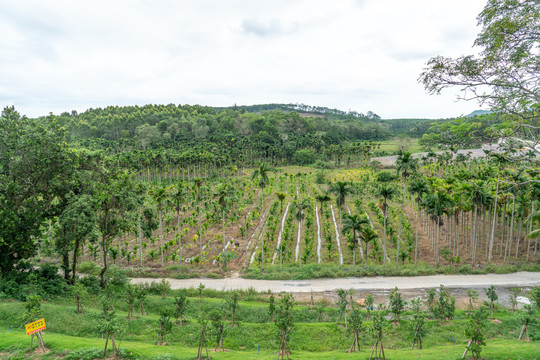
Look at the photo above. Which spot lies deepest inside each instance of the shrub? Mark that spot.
(88, 267)
(92, 283)
(26, 279)
(304, 157)
(385, 176)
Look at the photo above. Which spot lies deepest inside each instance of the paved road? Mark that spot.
(519, 279)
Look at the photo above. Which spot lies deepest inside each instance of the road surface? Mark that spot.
(519, 279)
(391, 160)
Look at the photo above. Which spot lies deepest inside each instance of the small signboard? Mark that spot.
(35, 327)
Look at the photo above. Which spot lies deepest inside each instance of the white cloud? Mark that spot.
(360, 55)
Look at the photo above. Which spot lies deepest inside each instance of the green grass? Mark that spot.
(310, 339)
(18, 343)
(392, 145)
(316, 271)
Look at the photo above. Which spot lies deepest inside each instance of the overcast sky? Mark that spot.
(358, 55)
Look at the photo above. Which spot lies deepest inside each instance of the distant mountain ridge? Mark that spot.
(302, 108)
(478, 113)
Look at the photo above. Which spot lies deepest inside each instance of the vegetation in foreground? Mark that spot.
(154, 322)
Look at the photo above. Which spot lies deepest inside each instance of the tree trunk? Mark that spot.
(139, 234)
(75, 252)
(416, 237)
(102, 274)
(438, 247)
(518, 239)
(161, 236)
(179, 237)
(384, 243)
(494, 223)
(511, 235)
(400, 223)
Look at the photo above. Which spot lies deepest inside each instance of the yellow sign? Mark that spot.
(35, 327)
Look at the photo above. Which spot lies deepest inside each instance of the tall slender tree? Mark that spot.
(405, 165)
(159, 194)
(262, 174)
(301, 208)
(355, 224)
(418, 187)
(387, 193)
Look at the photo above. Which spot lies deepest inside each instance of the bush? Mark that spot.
(320, 177)
(91, 283)
(385, 176)
(319, 164)
(88, 267)
(174, 267)
(116, 276)
(25, 279)
(304, 157)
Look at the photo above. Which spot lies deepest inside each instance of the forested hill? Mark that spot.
(222, 134)
(202, 122)
(306, 110)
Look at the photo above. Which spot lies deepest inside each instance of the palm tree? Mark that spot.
(159, 195)
(262, 174)
(198, 183)
(223, 199)
(479, 197)
(341, 189)
(437, 204)
(178, 197)
(405, 164)
(387, 193)
(281, 197)
(355, 224)
(534, 234)
(368, 235)
(322, 199)
(140, 192)
(417, 187)
(304, 205)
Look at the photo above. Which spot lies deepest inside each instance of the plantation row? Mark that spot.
(344, 217)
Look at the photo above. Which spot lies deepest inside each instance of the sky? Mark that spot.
(361, 55)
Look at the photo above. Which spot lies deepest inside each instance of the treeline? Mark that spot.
(233, 134)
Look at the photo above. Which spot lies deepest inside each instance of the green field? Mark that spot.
(392, 145)
(75, 336)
